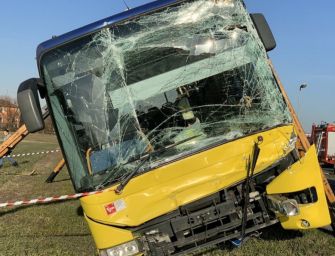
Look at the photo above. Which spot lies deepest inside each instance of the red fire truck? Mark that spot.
(323, 136)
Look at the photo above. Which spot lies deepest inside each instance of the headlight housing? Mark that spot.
(283, 205)
(127, 249)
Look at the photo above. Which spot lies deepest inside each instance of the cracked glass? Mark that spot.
(192, 75)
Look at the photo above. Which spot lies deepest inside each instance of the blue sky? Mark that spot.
(304, 31)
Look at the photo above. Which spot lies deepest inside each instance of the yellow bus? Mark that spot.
(173, 112)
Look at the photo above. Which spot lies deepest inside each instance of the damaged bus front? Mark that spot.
(173, 111)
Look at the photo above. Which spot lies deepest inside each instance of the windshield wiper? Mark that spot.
(124, 181)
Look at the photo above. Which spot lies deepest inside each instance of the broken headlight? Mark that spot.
(127, 249)
(284, 206)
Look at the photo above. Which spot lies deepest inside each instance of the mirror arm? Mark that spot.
(41, 87)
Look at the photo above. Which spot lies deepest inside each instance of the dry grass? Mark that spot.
(52, 229)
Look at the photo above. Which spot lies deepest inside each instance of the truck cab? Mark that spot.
(173, 112)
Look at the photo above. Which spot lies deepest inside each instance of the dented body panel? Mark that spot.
(302, 175)
(165, 189)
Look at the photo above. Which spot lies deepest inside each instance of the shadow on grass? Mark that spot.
(80, 211)
(276, 232)
(271, 233)
(327, 231)
(55, 181)
(23, 162)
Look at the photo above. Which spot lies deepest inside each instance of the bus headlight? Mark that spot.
(127, 249)
(290, 207)
(284, 206)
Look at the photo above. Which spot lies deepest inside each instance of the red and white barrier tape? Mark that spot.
(49, 199)
(34, 153)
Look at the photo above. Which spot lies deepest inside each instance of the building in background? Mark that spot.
(9, 114)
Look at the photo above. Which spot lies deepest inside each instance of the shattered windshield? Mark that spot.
(193, 70)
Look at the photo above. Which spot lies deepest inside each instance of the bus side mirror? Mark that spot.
(264, 31)
(29, 104)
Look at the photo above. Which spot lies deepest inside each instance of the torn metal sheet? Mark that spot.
(197, 69)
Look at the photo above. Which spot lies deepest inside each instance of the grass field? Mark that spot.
(60, 229)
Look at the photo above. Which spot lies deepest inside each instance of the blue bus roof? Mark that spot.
(88, 29)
